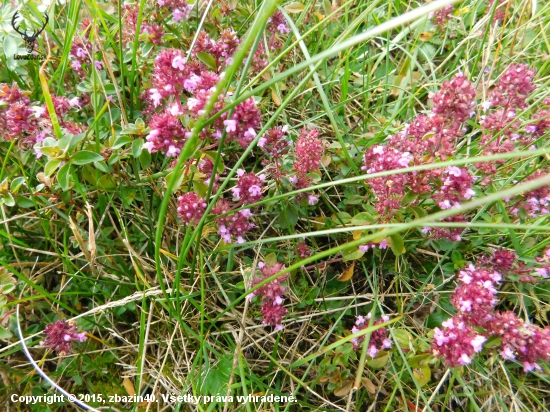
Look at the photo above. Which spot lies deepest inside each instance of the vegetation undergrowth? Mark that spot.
(264, 205)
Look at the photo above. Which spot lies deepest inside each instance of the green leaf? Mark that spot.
(84, 157)
(4, 333)
(179, 180)
(10, 46)
(403, 338)
(200, 188)
(9, 200)
(295, 7)
(121, 141)
(212, 155)
(362, 218)
(63, 177)
(137, 147)
(145, 159)
(51, 166)
(397, 244)
(353, 255)
(423, 375)
(270, 259)
(207, 59)
(217, 378)
(16, 184)
(379, 362)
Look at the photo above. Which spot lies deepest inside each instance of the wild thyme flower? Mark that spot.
(244, 123)
(457, 186)
(456, 99)
(529, 344)
(456, 342)
(388, 190)
(232, 227)
(441, 16)
(167, 135)
(303, 250)
(271, 294)
(191, 208)
(308, 152)
(60, 336)
(514, 87)
(378, 339)
(249, 187)
(450, 233)
(501, 260)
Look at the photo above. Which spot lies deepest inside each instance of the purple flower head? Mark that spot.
(60, 336)
(191, 208)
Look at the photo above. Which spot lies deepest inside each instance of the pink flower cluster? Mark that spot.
(378, 339)
(31, 123)
(16, 114)
(222, 49)
(191, 208)
(475, 299)
(457, 343)
(180, 8)
(232, 227)
(427, 136)
(527, 343)
(271, 294)
(507, 97)
(388, 191)
(457, 187)
(441, 16)
(308, 152)
(500, 12)
(167, 135)
(275, 143)
(150, 29)
(249, 187)
(371, 245)
(174, 78)
(60, 336)
(535, 203)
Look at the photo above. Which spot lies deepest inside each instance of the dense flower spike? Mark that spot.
(475, 302)
(457, 186)
(232, 227)
(500, 11)
(303, 250)
(378, 339)
(244, 123)
(180, 8)
(514, 87)
(388, 191)
(309, 150)
(441, 16)
(457, 343)
(171, 75)
(167, 135)
(528, 344)
(191, 208)
(149, 30)
(271, 294)
(455, 100)
(450, 233)
(249, 187)
(501, 260)
(537, 202)
(60, 336)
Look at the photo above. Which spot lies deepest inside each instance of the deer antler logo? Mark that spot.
(29, 39)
